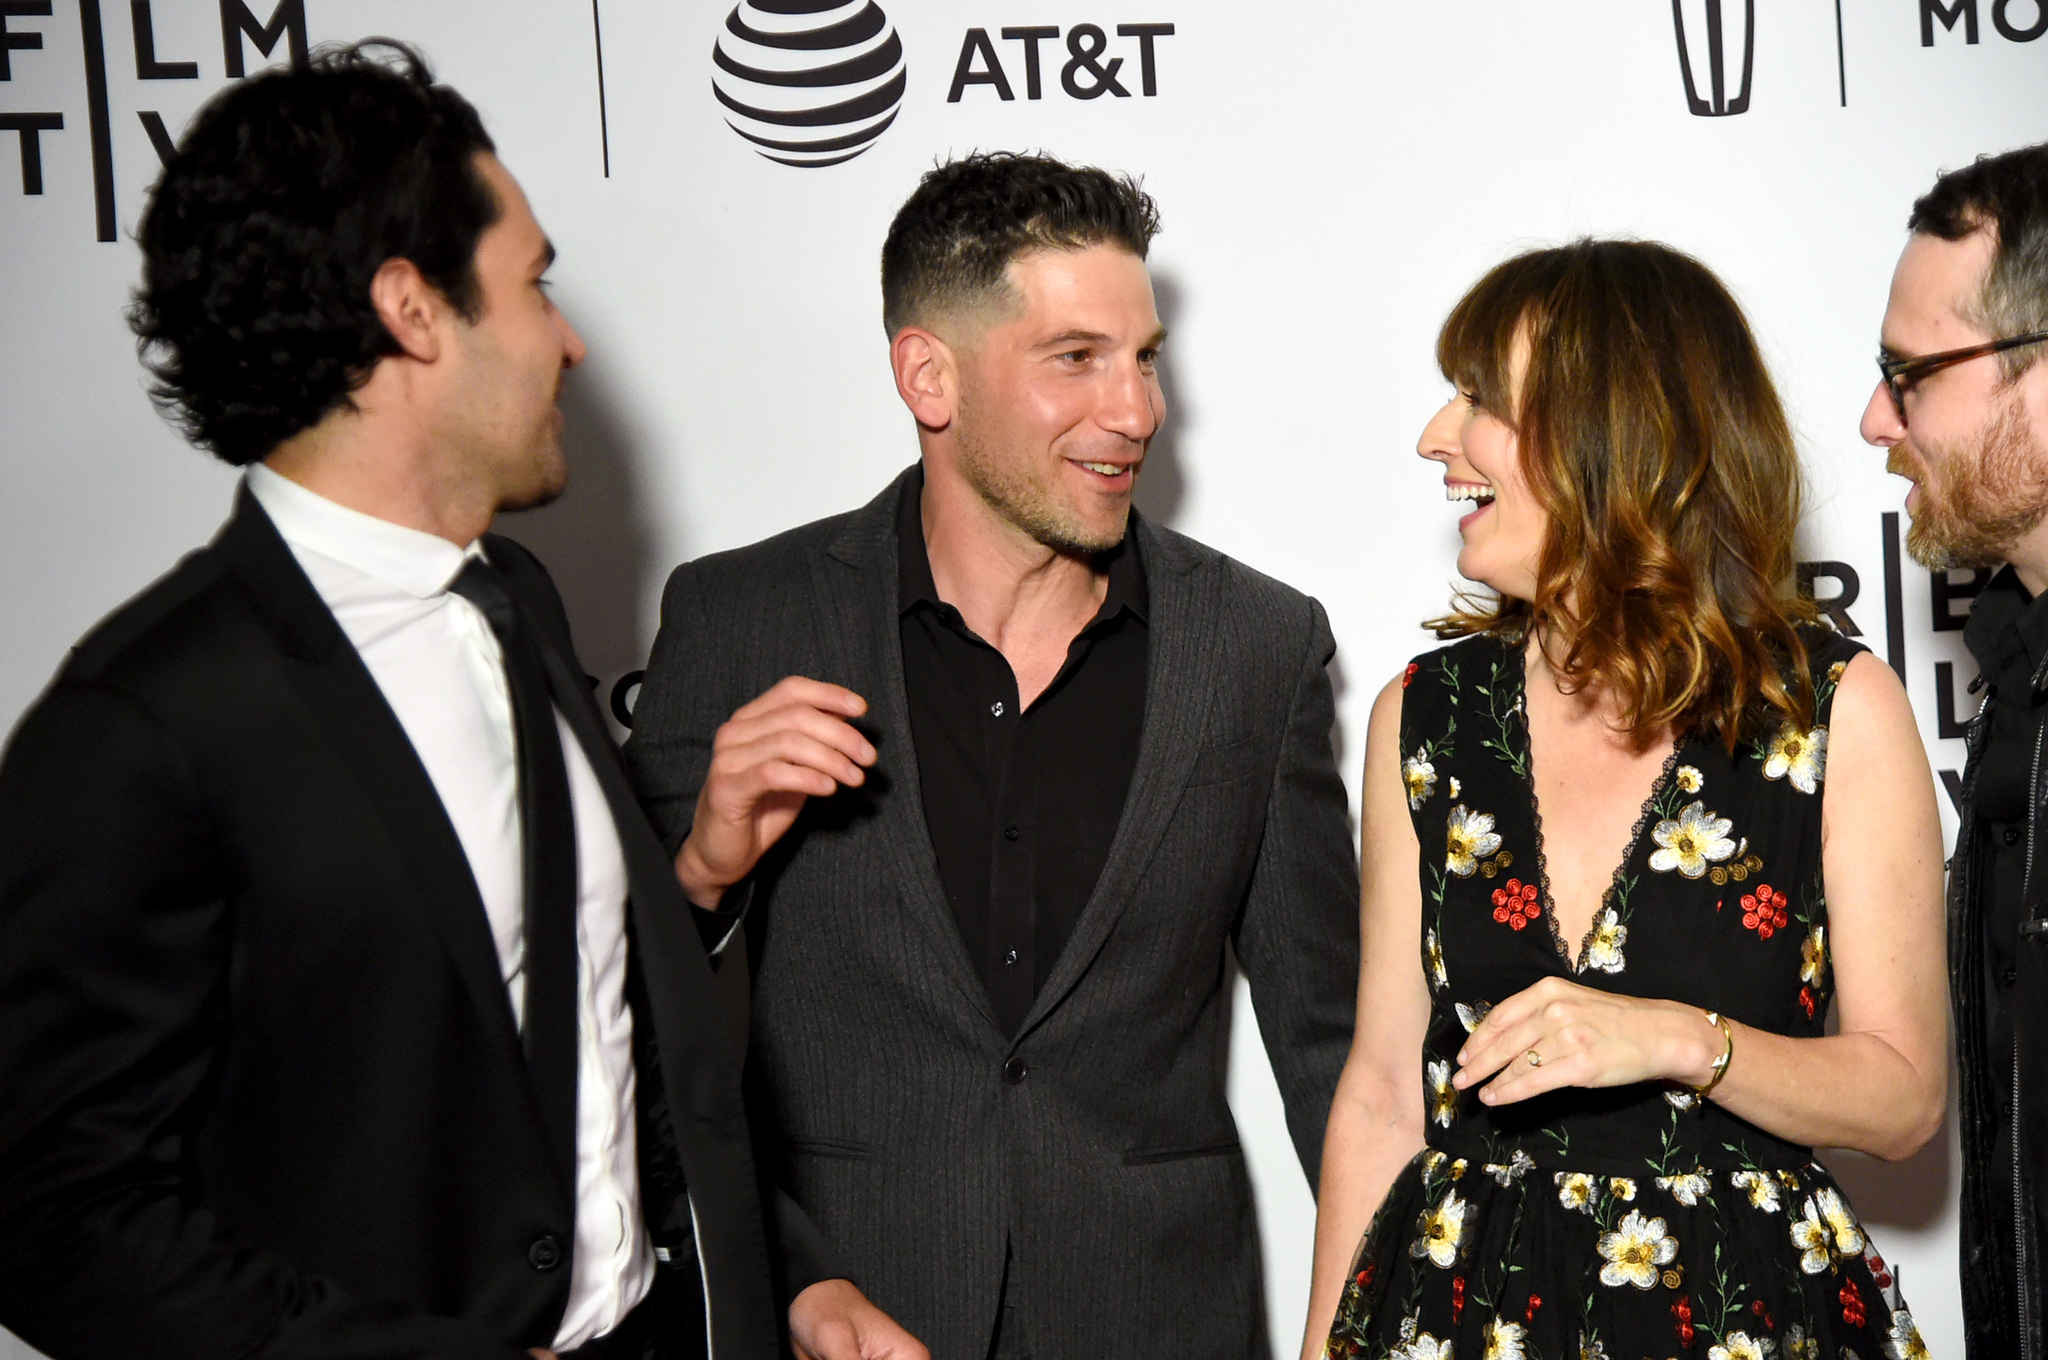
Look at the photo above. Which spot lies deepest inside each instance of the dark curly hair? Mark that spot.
(956, 235)
(287, 194)
(2008, 196)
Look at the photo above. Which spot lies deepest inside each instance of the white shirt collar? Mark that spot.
(418, 563)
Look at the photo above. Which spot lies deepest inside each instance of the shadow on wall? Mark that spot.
(1162, 484)
(594, 540)
(1911, 1195)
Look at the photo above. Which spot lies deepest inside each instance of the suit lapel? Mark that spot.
(855, 585)
(367, 738)
(1180, 677)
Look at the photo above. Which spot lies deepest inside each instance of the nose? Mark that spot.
(1881, 424)
(1439, 442)
(1134, 405)
(573, 349)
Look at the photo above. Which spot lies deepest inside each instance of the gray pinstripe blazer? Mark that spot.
(1095, 1149)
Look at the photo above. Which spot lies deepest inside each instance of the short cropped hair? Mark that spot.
(286, 195)
(953, 240)
(2008, 195)
(1652, 436)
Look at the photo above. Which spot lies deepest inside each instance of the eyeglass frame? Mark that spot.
(1898, 373)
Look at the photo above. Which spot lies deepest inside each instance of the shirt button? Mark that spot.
(2012, 835)
(545, 1254)
(1010, 956)
(1011, 833)
(1014, 1071)
(995, 710)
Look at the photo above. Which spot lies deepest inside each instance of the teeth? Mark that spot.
(1106, 469)
(1454, 491)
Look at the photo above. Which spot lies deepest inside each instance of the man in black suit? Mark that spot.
(1022, 767)
(348, 1006)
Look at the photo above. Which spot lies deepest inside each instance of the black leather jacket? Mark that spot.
(2002, 1304)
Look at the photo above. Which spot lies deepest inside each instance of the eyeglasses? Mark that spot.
(1901, 374)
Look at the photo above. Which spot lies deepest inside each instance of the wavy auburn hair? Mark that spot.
(1653, 438)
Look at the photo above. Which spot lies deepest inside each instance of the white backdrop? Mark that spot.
(1332, 174)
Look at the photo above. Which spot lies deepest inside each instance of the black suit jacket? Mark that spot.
(1095, 1147)
(264, 1093)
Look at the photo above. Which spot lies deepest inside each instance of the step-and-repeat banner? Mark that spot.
(1332, 175)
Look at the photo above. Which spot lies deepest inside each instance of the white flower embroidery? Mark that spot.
(1424, 1347)
(1762, 1190)
(1433, 953)
(1799, 1345)
(1441, 1230)
(1634, 1250)
(1468, 838)
(1603, 951)
(1849, 1239)
(1813, 955)
(1420, 777)
(1443, 1101)
(1470, 1016)
(1687, 843)
(1689, 779)
(1591, 1349)
(1904, 1343)
(1741, 1346)
(1575, 1190)
(1688, 1188)
(1801, 757)
(1504, 1340)
(1519, 1164)
(1454, 786)
(1680, 1100)
(1810, 1238)
(1622, 1188)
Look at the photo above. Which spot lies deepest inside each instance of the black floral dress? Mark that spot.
(1633, 1221)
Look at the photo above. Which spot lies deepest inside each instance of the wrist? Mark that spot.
(699, 884)
(1697, 1049)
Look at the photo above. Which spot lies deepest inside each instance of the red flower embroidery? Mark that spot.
(1457, 1297)
(1409, 674)
(1852, 1304)
(1878, 1273)
(1757, 1306)
(1764, 911)
(1529, 1313)
(1365, 1276)
(1516, 904)
(1806, 1001)
(1682, 1312)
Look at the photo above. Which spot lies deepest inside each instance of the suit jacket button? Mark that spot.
(544, 1254)
(1015, 1070)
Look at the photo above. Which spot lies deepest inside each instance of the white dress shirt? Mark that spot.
(438, 663)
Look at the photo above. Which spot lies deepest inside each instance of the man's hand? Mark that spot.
(792, 743)
(832, 1320)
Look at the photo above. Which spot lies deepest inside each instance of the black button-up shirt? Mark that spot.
(1021, 804)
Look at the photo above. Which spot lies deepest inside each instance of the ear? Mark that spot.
(927, 376)
(412, 309)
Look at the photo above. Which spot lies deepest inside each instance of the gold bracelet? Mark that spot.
(1716, 1019)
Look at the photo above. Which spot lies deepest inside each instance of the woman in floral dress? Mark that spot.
(1626, 842)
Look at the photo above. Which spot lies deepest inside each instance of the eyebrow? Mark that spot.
(1080, 337)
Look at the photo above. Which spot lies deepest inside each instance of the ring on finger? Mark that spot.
(1535, 1058)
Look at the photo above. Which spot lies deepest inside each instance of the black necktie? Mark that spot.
(547, 826)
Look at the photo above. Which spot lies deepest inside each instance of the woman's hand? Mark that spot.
(1558, 1033)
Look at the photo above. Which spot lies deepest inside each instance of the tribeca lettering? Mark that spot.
(1083, 74)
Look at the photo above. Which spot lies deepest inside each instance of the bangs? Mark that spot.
(1474, 347)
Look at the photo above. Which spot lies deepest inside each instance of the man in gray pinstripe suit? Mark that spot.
(999, 771)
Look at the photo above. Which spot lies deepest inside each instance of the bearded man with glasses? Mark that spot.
(1963, 412)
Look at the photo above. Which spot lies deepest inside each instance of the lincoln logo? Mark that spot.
(1709, 54)
(809, 82)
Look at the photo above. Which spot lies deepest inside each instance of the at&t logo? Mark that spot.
(809, 82)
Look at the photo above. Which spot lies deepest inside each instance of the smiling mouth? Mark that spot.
(1107, 469)
(1469, 491)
